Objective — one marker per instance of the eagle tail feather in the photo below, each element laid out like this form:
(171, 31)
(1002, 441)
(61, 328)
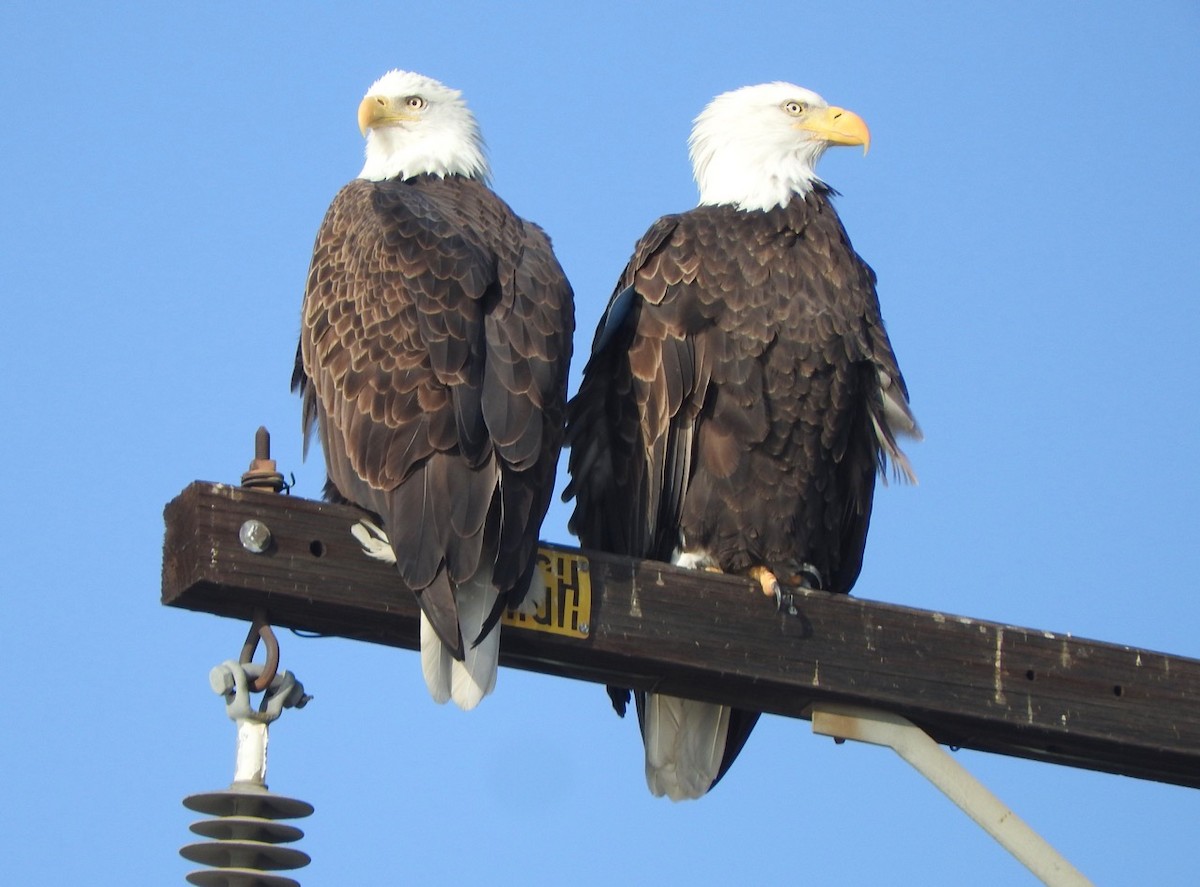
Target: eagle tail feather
(436, 660)
(685, 743)
(475, 676)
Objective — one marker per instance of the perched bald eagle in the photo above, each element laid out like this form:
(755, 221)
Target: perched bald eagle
(741, 392)
(435, 339)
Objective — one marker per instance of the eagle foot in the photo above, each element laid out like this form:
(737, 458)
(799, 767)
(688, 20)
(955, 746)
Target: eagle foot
(806, 577)
(374, 541)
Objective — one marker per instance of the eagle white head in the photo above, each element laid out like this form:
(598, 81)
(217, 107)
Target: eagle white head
(755, 147)
(415, 125)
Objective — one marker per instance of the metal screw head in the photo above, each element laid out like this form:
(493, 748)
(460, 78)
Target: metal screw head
(255, 536)
(584, 628)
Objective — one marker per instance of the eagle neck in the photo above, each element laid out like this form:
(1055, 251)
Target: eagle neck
(795, 213)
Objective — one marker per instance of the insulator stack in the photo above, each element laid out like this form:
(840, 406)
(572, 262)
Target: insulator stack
(247, 835)
(248, 838)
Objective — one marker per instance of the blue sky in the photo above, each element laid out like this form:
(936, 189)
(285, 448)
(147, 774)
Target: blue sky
(1031, 204)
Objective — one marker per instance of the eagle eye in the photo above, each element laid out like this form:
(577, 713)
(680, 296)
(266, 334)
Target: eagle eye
(415, 102)
(794, 108)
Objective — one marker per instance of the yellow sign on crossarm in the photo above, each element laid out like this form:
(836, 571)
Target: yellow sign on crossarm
(564, 604)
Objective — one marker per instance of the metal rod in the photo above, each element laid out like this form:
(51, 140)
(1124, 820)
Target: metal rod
(916, 747)
(262, 473)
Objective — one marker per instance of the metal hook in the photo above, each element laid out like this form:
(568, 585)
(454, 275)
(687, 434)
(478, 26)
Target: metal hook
(260, 628)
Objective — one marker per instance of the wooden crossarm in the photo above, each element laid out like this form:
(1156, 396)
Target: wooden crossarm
(968, 683)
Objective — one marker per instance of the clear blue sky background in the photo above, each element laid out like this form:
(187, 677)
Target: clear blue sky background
(1030, 203)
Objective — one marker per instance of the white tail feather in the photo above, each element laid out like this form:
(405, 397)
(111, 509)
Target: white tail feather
(475, 676)
(465, 682)
(685, 741)
(435, 662)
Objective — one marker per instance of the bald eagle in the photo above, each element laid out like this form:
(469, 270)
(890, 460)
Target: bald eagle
(741, 393)
(435, 338)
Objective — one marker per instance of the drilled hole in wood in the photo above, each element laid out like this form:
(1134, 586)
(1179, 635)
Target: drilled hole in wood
(1118, 690)
(1030, 674)
(317, 547)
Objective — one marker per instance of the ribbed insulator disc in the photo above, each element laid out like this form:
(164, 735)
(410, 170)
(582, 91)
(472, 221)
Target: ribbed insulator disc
(245, 854)
(239, 878)
(248, 802)
(249, 828)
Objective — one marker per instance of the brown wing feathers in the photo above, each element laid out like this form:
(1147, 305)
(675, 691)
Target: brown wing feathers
(436, 333)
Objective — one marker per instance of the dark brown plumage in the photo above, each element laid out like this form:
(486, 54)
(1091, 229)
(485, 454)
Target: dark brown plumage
(740, 397)
(748, 361)
(435, 339)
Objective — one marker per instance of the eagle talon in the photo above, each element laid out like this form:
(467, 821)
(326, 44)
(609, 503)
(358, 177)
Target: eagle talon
(786, 600)
(810, 577)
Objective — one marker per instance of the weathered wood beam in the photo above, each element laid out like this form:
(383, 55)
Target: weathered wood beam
(968, 683)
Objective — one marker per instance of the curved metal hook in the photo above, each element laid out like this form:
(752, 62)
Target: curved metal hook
(259, 628)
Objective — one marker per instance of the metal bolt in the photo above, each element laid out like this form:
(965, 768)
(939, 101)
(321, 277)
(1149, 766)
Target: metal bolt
(584, 628)
(255, 536)
(262, 474)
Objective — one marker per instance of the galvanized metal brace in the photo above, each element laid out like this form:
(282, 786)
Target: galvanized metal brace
(931, 761)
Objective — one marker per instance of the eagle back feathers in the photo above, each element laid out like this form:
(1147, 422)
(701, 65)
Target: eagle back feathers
(436, 334)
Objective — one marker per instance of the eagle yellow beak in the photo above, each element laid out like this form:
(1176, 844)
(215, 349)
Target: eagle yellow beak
(837, 126)
(378, 110)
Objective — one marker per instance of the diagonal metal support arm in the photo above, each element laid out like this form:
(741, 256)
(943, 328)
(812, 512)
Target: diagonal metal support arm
(931, 761)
